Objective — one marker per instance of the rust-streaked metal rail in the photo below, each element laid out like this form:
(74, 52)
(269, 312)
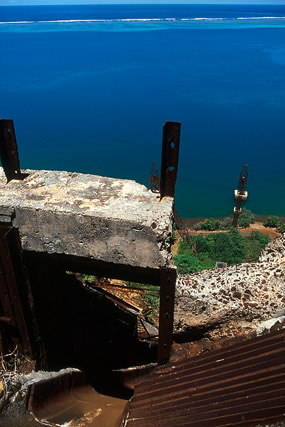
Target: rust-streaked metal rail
(243, 385)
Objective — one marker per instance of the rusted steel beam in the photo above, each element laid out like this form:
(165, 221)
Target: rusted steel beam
(166, 313)
(9, 151)
(12, 296)
(169, 158)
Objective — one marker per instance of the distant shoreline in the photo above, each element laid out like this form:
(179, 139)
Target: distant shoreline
(258, 218)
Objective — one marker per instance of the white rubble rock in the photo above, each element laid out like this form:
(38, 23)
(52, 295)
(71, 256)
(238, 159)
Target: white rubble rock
(233, 298)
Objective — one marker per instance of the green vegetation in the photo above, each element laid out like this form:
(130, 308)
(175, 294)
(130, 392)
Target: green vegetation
(246, 218)
(150, 297)
(211, 224)
(189, 261)
(254, 244)
(152, 300)
(272, 221)
(281, 228)
(227, 223)
(202, 253)
(88, 278)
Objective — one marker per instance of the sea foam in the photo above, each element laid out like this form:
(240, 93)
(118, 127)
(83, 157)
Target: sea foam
(167, 20)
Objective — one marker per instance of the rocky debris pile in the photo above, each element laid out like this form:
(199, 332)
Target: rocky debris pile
(274, 250)
(242, 299)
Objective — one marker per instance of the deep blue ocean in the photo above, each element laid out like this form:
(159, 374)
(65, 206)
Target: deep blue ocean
(90, 87)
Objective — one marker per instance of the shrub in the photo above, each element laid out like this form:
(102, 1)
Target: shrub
(228, 247)
(210, 224)
(246, 218)
(227, 223)
(202, 253)
(205, 262)
(202, 244)
(254, 243)
(224, 247)
(272, 221)
(281, 228)
(198, 225)
(185, 261)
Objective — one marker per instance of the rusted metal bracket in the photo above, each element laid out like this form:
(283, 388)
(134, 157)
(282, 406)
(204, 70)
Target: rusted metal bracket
(166, 313)
(169, 158)
(9, 151)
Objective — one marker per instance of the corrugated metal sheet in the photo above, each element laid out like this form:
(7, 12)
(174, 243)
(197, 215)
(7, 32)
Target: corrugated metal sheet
(242, 385)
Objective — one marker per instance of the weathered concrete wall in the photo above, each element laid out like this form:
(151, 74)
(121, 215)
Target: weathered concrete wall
(112, 220)
(239, 299)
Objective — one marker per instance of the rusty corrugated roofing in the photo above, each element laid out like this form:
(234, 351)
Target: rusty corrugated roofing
(242, 385)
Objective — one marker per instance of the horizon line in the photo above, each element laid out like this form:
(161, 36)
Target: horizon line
(147, 4)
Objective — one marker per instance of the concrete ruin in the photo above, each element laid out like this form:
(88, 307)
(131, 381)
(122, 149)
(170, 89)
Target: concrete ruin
(110, 220)
(89, 224)
(54, 222)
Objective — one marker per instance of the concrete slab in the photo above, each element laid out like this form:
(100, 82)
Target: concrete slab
(111, 220)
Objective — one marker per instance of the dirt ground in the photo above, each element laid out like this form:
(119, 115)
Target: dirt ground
(258, 226)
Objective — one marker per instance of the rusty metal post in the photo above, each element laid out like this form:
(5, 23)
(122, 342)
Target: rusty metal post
(166, 313)
(13, 298)
(9, 151)
(169, 158)
(241, 195)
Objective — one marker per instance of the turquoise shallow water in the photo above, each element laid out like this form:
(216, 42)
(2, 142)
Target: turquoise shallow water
(93, 96)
